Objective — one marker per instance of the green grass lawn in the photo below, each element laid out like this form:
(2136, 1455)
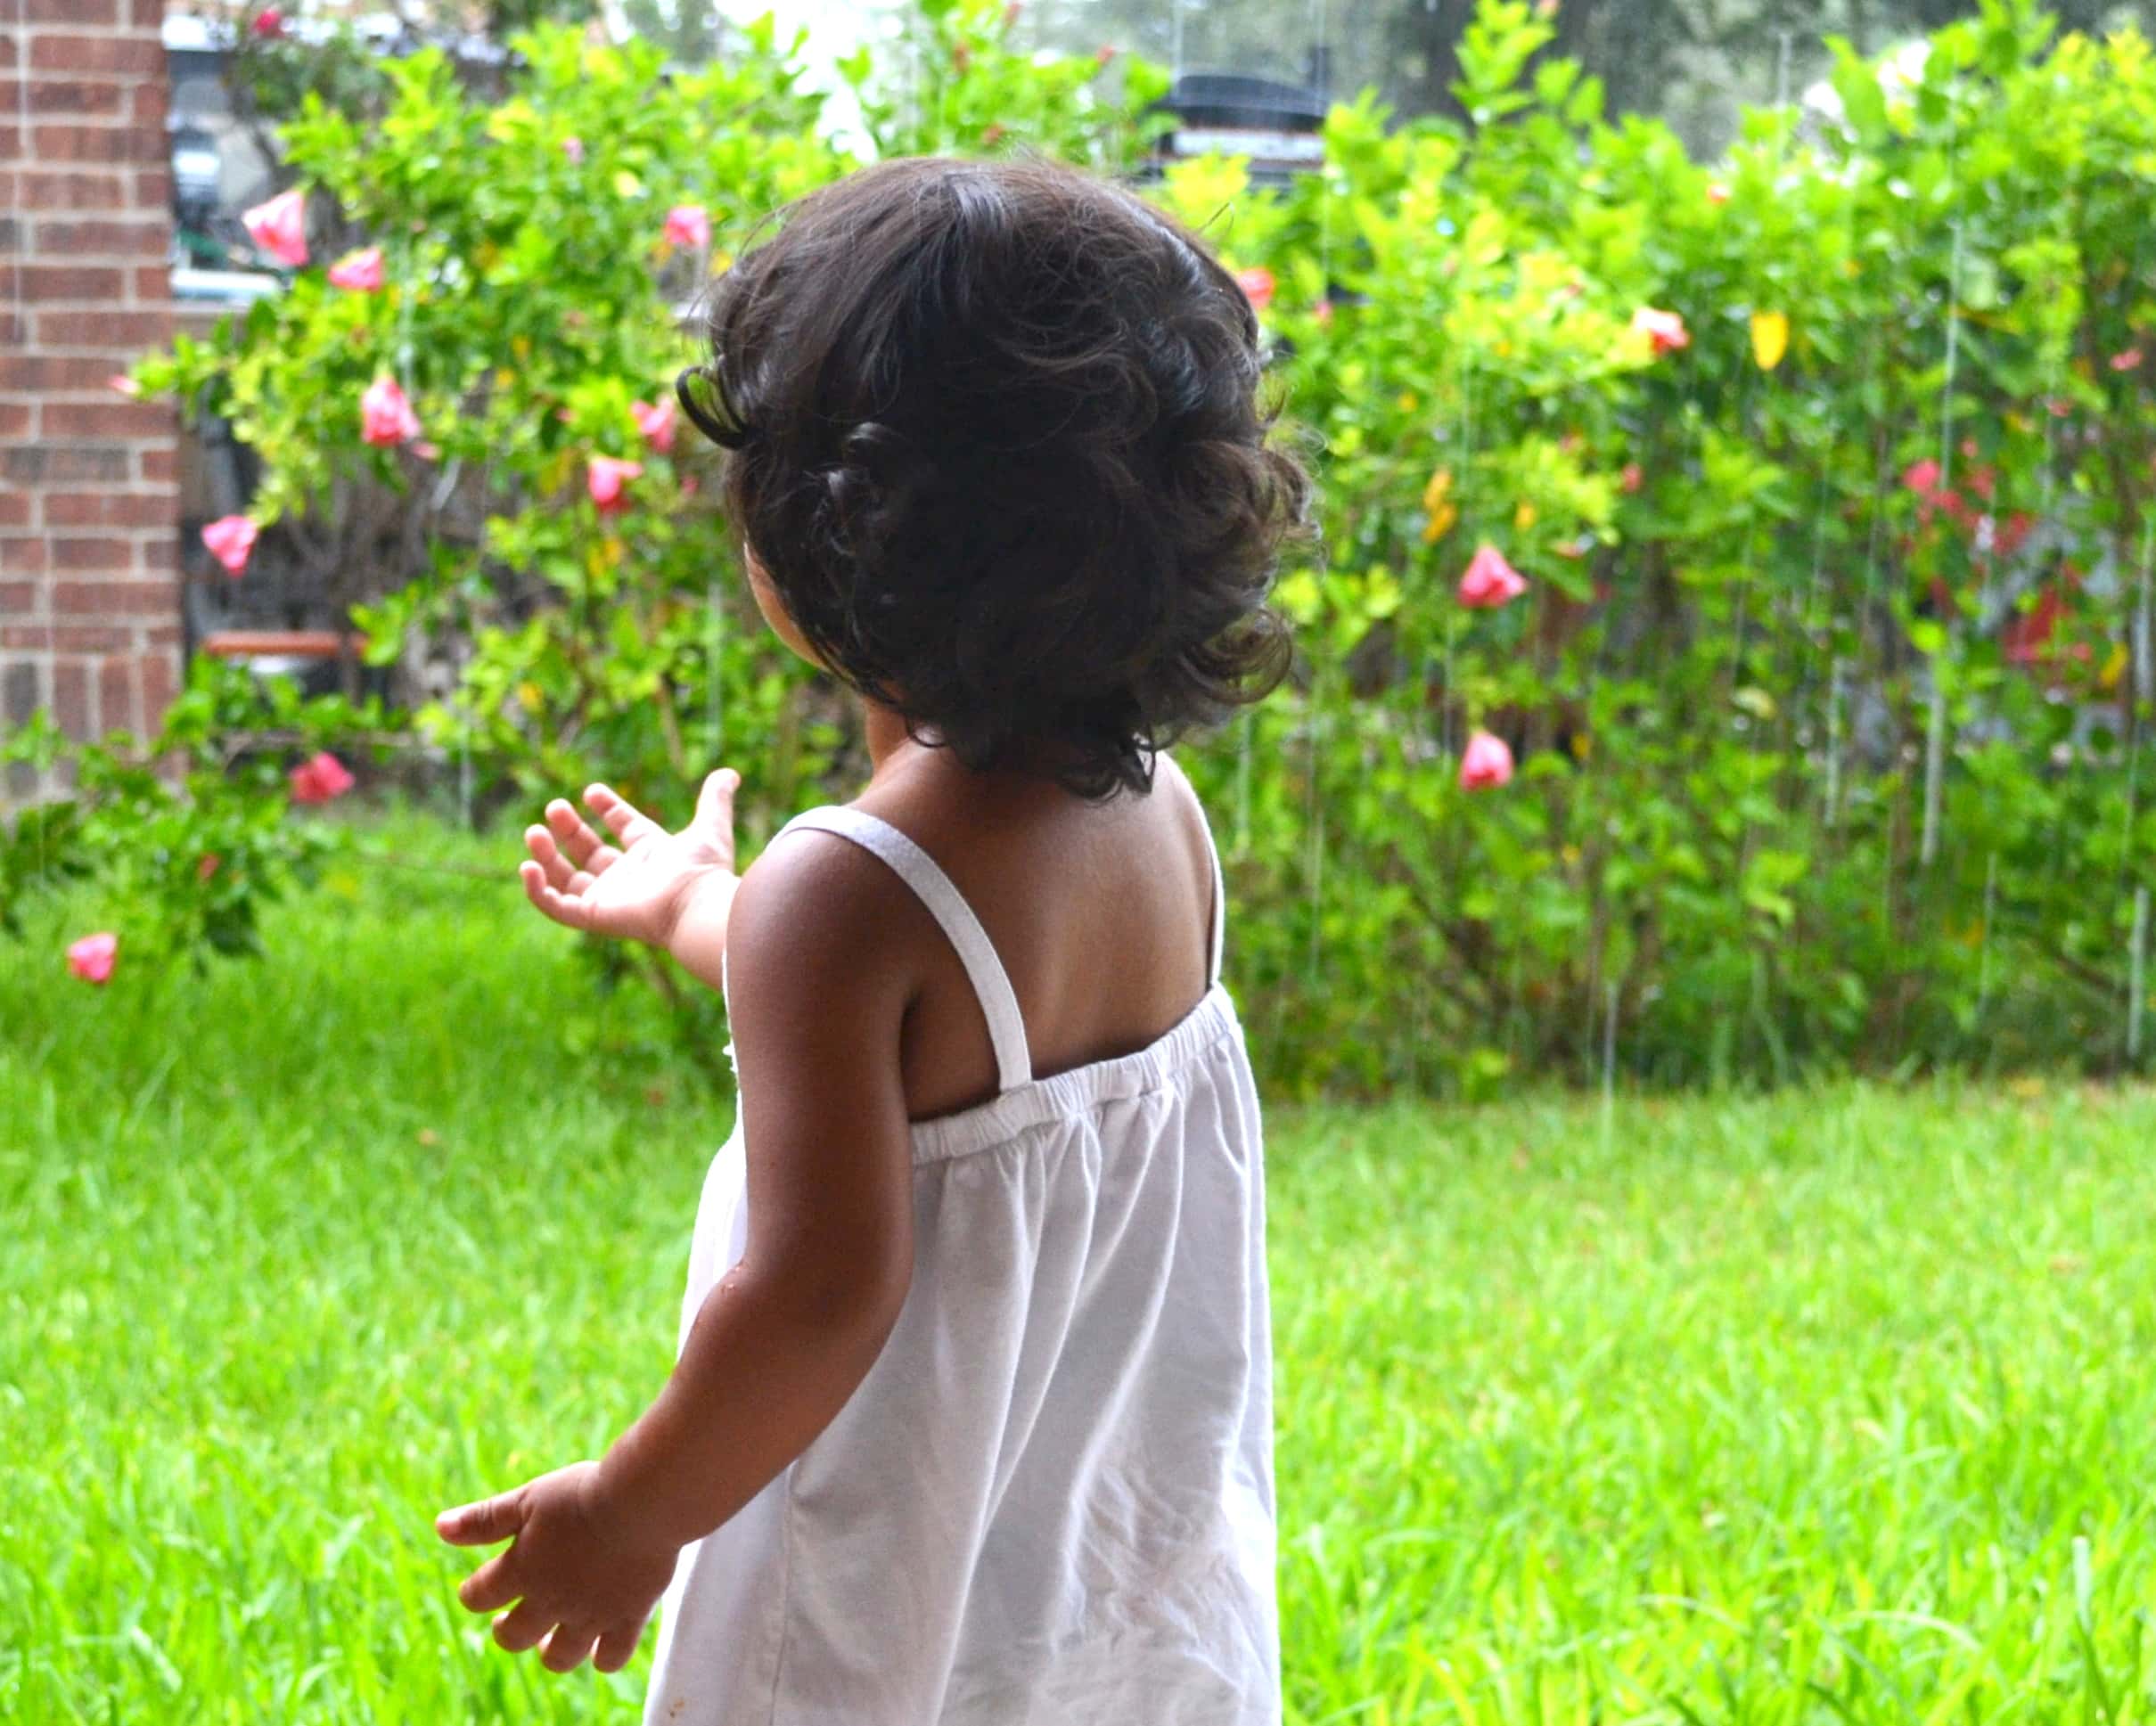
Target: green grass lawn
(1836, 1406)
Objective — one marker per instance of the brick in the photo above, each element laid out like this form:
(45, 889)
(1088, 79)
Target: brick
(71, 189)
(19, 692)
(111, 330)
(11, 143)
(50, 375)
(106, 238)
(71, 96)
(105, 510)
(23, 555)
(15, 509)
(149, 106)
(153, 284)
(66, 638)
(79, 12)
(115, 680)
(136, 56)
(8, 51)
(163, 634)
(94, 143)
(160, 684)
(72, 696)
(104, 556)
(14, 419)
(153, 189)
(158, 554)
(61, 467)
(112, 599)
(159, 465)
(60, 282)
(18, 599)
(117, 418)
(146, 15)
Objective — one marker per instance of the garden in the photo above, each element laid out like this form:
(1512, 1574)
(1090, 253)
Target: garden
(1691, 898)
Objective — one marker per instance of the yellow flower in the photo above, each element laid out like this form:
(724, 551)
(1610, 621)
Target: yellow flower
(1440, 523)
(1436, 491)
(1769, 338)
(1408, 401)
(528, 693)
(1524, 517)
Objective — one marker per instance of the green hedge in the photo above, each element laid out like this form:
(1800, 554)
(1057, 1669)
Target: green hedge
(1827, 469)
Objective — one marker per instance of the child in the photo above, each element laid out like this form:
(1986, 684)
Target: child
(971, 1416)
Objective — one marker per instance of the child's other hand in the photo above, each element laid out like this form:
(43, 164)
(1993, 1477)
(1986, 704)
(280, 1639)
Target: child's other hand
(585, 1585)
(640, 886)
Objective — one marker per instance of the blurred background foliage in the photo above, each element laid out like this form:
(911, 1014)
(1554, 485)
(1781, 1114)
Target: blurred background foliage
(1825, 460)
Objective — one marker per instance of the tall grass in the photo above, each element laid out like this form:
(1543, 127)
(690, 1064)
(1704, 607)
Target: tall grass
(1833, 1406)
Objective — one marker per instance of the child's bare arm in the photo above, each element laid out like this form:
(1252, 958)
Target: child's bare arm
(823, 976)
(820, 989)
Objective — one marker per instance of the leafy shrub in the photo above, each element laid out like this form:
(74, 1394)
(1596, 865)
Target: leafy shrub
(1826, 468)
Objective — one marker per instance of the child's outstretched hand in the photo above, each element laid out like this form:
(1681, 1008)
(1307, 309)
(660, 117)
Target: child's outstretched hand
(649, 884)
(584, 1585)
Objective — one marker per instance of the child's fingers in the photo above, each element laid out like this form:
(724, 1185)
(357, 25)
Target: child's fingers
(585, 848)
(715, 802)
(491, 1587)
(482, 1524)
(560, 874)
(623, 818)
(550, 901)
(521, 1627)
(566, 1649)
(617, 1647)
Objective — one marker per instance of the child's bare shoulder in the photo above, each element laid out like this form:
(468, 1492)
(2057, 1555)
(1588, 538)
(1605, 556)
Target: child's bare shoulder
(815, 899)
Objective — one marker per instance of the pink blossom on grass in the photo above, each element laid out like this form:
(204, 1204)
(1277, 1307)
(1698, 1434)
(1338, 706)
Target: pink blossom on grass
(607, 479)
(1257, 285)
(268, 23)
(322, 779)
(385, 415)
(1490, 581)
(280, 227)
(573, 148)
(1486, 762)
(359, 272)
(93, 957)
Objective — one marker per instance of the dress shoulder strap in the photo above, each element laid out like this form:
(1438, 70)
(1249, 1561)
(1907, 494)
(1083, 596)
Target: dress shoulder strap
(945, 902)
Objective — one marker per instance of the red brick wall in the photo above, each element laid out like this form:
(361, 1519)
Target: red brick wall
(89, 603)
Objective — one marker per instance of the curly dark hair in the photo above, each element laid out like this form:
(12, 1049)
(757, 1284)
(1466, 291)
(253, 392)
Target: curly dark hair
(994, 435)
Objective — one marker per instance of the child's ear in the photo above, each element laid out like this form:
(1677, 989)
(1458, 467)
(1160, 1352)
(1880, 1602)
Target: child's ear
(773, 605)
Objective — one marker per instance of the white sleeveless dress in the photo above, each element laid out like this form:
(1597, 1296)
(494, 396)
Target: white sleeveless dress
(1050, 1502)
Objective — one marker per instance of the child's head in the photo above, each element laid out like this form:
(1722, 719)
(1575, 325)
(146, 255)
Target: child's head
(996, 444)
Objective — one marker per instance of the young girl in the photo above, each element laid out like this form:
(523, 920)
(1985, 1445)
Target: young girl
(972, 1420)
